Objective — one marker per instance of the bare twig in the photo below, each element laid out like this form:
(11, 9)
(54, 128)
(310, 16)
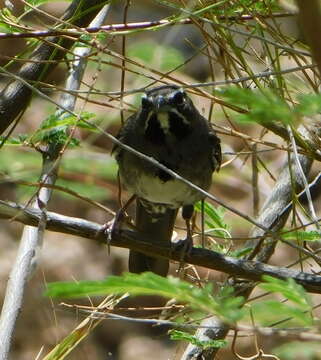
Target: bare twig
(115, 28)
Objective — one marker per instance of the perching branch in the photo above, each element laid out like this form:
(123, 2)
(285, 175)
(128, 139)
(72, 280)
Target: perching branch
(131, 239)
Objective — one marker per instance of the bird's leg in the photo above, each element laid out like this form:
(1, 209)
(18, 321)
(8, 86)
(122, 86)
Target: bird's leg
(185, 246)
(203, 222)
(187, 213)
(114, 225)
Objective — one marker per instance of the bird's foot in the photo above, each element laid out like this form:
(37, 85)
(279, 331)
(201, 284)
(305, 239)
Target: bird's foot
(184, 246)
(113, 227)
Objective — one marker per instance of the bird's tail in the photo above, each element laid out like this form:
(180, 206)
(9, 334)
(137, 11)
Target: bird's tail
(158, 229)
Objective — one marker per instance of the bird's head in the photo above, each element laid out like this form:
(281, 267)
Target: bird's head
(165, 98)
(168, 111)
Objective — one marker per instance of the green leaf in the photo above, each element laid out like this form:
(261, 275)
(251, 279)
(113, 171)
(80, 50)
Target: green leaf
(289, 289)
(5, 28)
(309, 104)
(54, 128)
(270, 311)
(15, 140)
(214, 219)
(266, 106)
(204, 344)
(6, 16)
(148, 283)
(297, 308)
(301, 235)
(263, 107)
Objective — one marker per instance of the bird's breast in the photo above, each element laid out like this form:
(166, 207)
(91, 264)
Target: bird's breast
(173, 192)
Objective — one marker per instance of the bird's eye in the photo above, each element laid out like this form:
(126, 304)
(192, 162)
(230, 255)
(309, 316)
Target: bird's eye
(178, 97)
(146, 102)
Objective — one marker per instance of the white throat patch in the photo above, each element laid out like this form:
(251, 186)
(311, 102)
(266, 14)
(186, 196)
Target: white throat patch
(163, 119)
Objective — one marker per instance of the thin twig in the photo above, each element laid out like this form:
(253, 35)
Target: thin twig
(114, 28)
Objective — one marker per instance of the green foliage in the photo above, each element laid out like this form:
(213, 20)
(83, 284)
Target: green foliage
(8, 21)
(147, 51)
(214, 219)
(265, 106)
(299, 350)
(204, 344)
(85, 41)
(224, 304)
(309, 104)
(289, 289)
(300, 235)
(297, 307)
(246, 6)
(228, 8)
(88, 169)
(54, 128)
(15, 140)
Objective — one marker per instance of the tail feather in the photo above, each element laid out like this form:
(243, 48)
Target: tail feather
(158, 229)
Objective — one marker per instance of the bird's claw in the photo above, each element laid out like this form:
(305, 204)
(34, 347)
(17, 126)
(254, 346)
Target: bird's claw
(184, 246)
(112, 227)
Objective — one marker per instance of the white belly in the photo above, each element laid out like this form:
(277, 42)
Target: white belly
(172, 192)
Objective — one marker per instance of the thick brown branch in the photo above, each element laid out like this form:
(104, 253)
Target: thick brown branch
(126, 238)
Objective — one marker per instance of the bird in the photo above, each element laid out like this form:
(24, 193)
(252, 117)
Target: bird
(170, 129)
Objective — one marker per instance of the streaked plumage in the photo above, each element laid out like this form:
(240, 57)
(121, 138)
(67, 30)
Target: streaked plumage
(168, 128)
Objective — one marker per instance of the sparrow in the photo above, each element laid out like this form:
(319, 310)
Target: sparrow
(168, 128)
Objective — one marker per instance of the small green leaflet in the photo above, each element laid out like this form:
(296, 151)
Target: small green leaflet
(225, 304)
(267, 106)
(297, 308)
(301, 235)
(214, 219)
(204, 344)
